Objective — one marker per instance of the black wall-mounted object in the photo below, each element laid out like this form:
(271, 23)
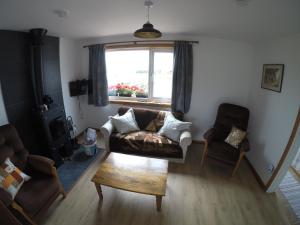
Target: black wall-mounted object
(78, 87)
(30, 78)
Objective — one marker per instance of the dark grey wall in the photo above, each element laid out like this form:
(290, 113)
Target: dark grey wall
(16, 83)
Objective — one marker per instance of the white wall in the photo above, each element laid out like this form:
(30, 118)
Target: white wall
(70, 67)
(222, 72)
(3, 117)
(273, 114)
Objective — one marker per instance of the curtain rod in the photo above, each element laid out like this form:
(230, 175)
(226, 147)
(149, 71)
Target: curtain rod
(136, 42)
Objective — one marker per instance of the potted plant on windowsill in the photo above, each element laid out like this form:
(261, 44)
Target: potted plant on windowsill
(124, 90)
(138, 92)
(141, 94)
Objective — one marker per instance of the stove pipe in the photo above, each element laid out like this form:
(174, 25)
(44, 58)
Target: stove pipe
(36, 48)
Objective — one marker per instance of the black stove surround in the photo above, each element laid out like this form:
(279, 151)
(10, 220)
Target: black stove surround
(32, 93)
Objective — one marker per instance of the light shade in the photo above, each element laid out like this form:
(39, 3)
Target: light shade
(147, 31)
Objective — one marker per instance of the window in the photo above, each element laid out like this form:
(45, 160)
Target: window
(143, 74)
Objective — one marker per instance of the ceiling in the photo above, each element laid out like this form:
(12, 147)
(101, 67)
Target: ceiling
(257, 20)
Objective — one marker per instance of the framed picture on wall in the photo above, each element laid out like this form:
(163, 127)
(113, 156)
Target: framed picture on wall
(272, 77)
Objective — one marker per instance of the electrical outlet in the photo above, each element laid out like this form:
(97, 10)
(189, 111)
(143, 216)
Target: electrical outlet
(270, 168)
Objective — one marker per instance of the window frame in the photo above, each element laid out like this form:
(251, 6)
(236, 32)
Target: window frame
(150, 98)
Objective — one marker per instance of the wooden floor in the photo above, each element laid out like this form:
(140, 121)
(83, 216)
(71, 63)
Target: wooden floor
(194, 195)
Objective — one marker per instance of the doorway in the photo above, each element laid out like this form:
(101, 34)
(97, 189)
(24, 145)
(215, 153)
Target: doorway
(296, 164)
(289, 190)
(287, 158)
(284, 181)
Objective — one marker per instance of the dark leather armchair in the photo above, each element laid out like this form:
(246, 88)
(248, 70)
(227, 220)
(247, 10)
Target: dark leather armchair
(214, 146)
(35, 195)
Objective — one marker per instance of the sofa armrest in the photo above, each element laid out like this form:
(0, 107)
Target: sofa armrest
(244, 146)
(107, 128)
(5, 197)
(7, 217)
(41, 164)
(185, 139)
(209, 135)
(106, 131)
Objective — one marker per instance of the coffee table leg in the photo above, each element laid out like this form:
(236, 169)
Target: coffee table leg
(99, 190)
(158, 202)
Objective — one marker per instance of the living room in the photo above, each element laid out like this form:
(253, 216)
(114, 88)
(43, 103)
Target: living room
(233, 46)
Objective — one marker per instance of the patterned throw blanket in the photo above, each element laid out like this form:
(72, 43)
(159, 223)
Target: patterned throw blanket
(145, 143)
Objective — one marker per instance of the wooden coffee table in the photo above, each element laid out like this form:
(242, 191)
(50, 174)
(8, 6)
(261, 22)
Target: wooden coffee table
(133, 173)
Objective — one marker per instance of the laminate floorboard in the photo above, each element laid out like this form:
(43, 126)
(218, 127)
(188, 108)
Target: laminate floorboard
(195, 195)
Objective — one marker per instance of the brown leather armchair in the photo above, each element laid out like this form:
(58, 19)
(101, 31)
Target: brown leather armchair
(35, 195)
(214, 146)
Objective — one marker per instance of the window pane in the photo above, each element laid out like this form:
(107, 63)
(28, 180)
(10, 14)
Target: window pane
(163, 73)
(127, 73)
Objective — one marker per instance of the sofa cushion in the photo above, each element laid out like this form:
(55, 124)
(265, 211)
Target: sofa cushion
(11, 178)
(35, 193)
(12, 147)
(235, 137)
(157, 123)
(223, 151)
(172, 128)
(230, 115)
(125, 123)
(145, 143)
(144, 116)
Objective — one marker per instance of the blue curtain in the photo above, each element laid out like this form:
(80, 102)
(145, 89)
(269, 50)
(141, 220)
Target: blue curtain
(98, 94)
(182, 76)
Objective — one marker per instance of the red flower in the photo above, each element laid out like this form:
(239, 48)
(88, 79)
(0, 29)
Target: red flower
(118, 86)
(134, 88)
(140, 90)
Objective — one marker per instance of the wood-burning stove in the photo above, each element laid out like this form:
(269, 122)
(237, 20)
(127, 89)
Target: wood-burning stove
(49, 114)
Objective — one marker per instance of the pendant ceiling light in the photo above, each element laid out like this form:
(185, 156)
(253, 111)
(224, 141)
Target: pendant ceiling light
(148, 30)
